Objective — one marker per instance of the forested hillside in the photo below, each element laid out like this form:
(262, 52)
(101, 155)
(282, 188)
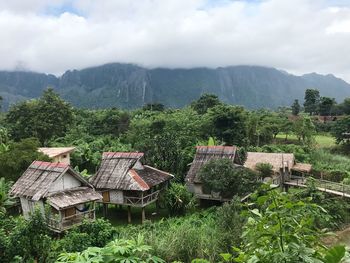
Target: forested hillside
(272, 225)
(129, 86)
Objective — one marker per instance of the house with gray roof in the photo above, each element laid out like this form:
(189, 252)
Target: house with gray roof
(122, 179)
(68, 196)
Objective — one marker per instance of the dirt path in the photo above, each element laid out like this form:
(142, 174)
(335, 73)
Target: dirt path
(340, 237)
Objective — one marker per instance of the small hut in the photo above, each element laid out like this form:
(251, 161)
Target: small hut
(69, 197)
(203, 155)
(123, 180)
(280, 162)
(58, 154)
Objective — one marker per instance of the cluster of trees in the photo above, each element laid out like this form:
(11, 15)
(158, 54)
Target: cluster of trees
(264, 231)
(314, 104)
(167, 136)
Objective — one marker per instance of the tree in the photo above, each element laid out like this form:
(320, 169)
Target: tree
(205, 102)
(18, 157)
(45, 118)
(227, 123)
(341, 129)
(312, 99)
(223, 176)
(345, 106)
(326, 106)
(1, 100)
(154, 107)
(296, 108)
(304, 129)
(5, 199)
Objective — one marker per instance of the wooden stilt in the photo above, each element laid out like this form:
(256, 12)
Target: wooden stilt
(105, 209)
(129, 214)
(143, 215)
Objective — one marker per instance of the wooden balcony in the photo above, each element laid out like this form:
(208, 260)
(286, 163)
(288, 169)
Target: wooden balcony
(141, 201)
(59, 225)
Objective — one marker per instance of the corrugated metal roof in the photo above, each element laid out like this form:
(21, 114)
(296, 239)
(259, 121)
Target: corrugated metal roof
(55, 151)
(72, 197)
(206, 153)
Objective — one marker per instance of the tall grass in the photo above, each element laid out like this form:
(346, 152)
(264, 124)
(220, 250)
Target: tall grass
(328, 163)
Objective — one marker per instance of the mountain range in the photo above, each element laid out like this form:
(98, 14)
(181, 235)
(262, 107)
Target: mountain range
(130, 86)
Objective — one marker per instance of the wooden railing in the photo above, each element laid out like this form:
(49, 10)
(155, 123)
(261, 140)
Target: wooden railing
(141, 201)
(70, 221)
(322, 185)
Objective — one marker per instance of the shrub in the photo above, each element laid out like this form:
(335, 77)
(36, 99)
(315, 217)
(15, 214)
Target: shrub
(264, 169)
(223, 176)
(30, 239)
(230, 224)
(117, 251)
(178, 199)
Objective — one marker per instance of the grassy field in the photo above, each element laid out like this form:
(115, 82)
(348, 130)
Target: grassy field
(322, 140)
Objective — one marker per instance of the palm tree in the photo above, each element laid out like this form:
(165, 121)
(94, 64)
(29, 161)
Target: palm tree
(5, 199)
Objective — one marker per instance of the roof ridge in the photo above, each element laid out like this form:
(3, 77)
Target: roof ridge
(153, 168)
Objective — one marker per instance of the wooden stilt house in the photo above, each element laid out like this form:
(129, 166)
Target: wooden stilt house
(123, 180)
(63, 196)
(203, 155)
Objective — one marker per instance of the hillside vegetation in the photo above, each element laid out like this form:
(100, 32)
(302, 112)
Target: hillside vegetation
(272, 226)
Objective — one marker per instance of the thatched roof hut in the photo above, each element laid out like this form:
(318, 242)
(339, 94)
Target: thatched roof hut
(40, 177)
(124, 171)
(59, 186)
(206, 153)
(277, 160)
(124, 180)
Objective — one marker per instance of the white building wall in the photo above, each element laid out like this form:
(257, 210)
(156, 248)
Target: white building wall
(198, 189)
(29, 206)
(138, 165)
(67, 181)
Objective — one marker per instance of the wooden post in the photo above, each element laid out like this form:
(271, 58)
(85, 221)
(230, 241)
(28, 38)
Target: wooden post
(143, 215)
(129, 214)
(105, 208)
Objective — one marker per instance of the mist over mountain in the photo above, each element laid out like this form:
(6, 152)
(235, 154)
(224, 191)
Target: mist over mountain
(130, 86)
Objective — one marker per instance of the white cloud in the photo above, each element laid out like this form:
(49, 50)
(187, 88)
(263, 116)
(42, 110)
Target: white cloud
(299, 36)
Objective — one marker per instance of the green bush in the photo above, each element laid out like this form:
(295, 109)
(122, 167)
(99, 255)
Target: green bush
(230, 224)
(223, 176)
(264, 169)
(178, 199)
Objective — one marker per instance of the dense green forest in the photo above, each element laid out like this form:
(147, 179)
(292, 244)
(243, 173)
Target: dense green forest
(272, 226)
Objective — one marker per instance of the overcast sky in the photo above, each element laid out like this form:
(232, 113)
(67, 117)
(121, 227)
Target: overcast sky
(299, 36)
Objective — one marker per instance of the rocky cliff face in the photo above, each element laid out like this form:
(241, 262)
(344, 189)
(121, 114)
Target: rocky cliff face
(129, 86)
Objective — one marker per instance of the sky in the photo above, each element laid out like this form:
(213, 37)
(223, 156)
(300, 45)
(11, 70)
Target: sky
(299, 36)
